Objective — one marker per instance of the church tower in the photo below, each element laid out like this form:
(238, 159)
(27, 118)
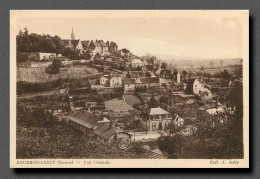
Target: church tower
(72, 35)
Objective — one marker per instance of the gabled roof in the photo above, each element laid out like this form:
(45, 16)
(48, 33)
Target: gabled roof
(75, 43)
(157, 111)
(85, 44)
(102, 128)
(128, 81)
(191, 81)
(177, 116)
(97, 44)
(148, 154)
(150, 80)
(84, 118)
(102, 43)
(108, 133)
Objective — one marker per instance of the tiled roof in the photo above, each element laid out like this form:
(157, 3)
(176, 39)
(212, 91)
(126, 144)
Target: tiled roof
(84, 118)
(147, 154)
(150, 80)
(128, 81)
(191, 80)
(158, 111)
(102, 128)
(108, 133)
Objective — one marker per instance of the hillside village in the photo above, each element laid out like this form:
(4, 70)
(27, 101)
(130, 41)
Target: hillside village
(111, 97)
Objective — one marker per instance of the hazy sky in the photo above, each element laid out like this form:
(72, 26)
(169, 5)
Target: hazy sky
(213, 37)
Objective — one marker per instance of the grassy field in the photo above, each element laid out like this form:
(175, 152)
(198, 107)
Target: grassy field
(131, 99)
(39, 75)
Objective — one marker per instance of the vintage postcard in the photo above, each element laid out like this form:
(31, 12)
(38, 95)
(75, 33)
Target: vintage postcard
(129, 89)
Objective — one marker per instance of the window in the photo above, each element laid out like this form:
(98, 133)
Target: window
(154, 126)
(166, 124)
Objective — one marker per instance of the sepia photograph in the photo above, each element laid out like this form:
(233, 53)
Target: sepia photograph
(129, 88)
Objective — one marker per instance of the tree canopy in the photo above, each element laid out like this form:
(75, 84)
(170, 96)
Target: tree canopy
(39, 43)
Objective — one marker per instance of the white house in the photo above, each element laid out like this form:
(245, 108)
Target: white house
(196, 87)
(115, 81)
(104, 80)
(111, 80)
(77, 45)
(158, 119)
(45, 56)
(137, 63)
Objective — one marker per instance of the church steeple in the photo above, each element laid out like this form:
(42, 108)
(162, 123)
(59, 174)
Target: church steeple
(72, 35)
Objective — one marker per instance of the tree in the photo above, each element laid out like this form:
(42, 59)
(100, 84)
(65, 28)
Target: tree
(184, 73)
(26, 31)
(225, 75)
(171, 129)
(164, 65)
(54, 68)
(153, 102)
(38, 43)
(172, 145)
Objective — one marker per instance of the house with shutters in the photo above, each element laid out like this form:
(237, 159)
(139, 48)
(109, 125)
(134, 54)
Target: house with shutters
(156, 119)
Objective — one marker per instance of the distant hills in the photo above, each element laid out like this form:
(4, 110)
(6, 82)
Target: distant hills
(197, 62)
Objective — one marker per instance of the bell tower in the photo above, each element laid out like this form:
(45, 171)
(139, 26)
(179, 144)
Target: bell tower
(72, 35)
